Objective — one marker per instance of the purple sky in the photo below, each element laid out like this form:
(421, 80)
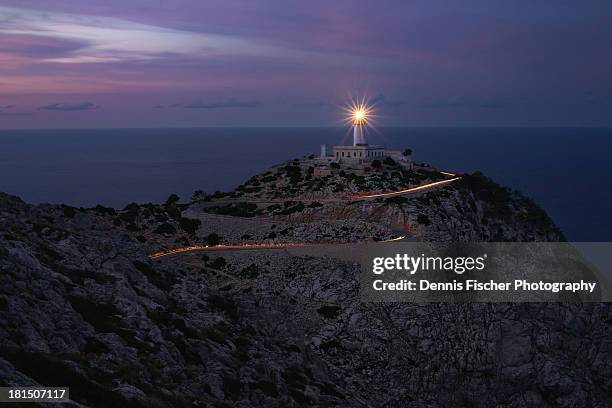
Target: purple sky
(143, 63)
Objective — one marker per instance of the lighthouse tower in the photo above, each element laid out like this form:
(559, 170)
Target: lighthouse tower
(360, 152)
(358, 128)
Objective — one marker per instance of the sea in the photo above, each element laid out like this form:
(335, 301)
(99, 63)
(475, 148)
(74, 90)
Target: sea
(565, 170)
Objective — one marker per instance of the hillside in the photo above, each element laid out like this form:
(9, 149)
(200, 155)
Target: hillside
(82, 305)
(311, 177)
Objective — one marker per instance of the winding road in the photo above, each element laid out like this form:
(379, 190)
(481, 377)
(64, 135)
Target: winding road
(284, 245)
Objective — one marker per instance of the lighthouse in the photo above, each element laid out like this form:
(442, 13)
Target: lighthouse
(358, 127)
(360, 152)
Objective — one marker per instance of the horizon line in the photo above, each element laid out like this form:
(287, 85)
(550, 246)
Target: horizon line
(318, 127)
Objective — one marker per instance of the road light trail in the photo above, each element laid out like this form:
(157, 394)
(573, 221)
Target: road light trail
(408, 190)
(242, 247)
(271, 245)
(395, 239)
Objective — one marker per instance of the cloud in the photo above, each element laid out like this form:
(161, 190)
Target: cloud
(314, 105)
(80, 38)
(462, 101)
(381, 100)
(6, 110)
(38, 46)
(457, 101)
(229, 103)
(81, 106)
(16, 113)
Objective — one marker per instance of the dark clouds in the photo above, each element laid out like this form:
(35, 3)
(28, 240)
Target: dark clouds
(314, 105)
(7, 110)
(3, 113)
(67, 107)
(34, 46)
(229, 103)
(462, 101)
(382, 101)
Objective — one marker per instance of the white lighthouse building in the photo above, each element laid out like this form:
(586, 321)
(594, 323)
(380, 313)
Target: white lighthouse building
(360, 154)
(358, 129)
(360, 150)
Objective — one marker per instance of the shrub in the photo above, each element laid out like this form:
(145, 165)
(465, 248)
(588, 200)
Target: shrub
(376, 164)
(423, 219)
(80, 275)
(213, 239)
(236, 210)
(218, 263)
(294, 173)
(165, 228)
(172, 199)
(189, 225)
(399, 200)
(173, 212)
(389, 161)
(102, 316)
(152, 275)
(223, 304)
(132, 207)
(250, 272)
(199, 195)
(128, 217)
(100, 209)
(69, 212)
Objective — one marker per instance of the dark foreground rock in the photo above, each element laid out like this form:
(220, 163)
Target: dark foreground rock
(82, 306)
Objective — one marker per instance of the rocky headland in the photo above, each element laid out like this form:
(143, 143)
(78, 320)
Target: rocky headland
(83, 305)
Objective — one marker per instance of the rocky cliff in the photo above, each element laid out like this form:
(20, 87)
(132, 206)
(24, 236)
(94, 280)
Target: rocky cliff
(81, 305)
